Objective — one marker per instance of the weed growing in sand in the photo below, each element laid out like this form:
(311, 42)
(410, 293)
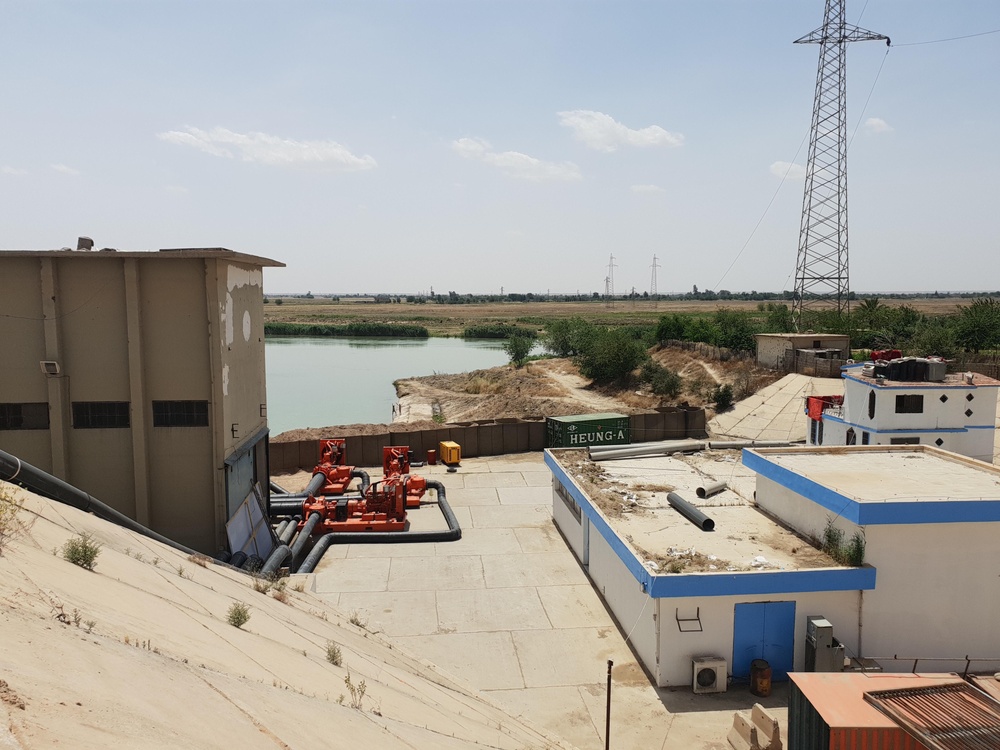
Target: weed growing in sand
(182, 572)
(278, 590)
(82, 550)
(333, 654)
(356, 619)
(200, 560)
(238, 614)
(357, 691)
(90, 625)
(10, 524)
(300, 586)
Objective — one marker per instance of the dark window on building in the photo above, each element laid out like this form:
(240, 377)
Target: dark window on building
(911, 403)
(817, 344)
(180, 414)
(871, 405)
(96, 415)
(24, 416)
(865, 438)
(904, 441)
(852, 437)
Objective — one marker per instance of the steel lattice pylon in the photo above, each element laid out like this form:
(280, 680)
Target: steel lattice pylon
(821, 271)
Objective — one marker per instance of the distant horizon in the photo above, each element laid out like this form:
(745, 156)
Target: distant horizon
(540, 296)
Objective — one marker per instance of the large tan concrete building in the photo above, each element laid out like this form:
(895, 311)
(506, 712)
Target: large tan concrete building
(139, 378)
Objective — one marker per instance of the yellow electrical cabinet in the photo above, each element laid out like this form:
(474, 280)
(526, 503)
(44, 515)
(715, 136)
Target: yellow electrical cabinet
(449, 453)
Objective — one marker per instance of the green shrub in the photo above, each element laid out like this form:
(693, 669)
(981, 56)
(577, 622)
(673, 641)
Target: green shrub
(611, 355)
(360, 330)
(498, 331)
(854, 553)
(518, 348)
(238, 614)
(723, 397)
(568, 338)
(832, 543)
(82, 550)
(663, 382)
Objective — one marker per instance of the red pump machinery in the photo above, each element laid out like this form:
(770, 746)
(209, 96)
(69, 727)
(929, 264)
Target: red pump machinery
(381, 508)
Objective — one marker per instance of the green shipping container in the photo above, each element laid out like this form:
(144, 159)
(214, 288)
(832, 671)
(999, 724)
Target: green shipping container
(582, 430)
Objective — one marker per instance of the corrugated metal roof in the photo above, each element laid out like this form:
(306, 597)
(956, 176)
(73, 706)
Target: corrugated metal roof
(839, 696)
(943, 717)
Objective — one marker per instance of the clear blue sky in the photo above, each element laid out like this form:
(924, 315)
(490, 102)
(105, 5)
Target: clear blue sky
(469, 146)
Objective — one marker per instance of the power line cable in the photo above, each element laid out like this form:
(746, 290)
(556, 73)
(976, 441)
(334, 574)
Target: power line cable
(872, 91)
(948, 39)
(766, 209)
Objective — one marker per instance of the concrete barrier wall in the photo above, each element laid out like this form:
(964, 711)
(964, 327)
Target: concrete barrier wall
(480, 439)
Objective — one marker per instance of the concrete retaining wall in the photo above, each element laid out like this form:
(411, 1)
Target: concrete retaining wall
(488, 438)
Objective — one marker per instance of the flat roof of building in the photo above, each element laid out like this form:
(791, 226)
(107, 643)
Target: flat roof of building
(882, 484)
(181, 252)
(632, 495)
(814, 336)
(951, 380)
(839, 697)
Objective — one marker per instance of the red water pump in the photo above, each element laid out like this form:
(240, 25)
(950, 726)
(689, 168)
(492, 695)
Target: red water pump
(331, 464)
(382, 507)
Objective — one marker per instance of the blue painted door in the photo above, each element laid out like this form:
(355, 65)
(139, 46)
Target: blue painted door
(764, 630)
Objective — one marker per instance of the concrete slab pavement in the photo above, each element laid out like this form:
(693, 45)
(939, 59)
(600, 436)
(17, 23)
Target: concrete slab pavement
(774, 412)
(509, 610)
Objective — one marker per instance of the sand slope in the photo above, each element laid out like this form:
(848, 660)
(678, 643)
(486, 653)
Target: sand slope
(139, 653)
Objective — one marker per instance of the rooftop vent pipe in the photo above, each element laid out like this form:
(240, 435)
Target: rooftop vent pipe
(84, 243)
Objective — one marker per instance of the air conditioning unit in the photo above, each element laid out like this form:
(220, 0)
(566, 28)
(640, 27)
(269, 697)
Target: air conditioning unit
(708, 674)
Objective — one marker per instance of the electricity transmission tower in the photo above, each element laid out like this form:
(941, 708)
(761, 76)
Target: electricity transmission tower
(609, 281)
(821, 269)
(652, 283)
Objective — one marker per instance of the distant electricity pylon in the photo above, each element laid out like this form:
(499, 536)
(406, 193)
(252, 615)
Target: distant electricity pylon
(821, 269)
(652, 283)
(609, 281)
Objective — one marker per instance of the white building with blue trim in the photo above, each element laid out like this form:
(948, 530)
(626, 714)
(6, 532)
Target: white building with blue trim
(955, 413)
(929, 587)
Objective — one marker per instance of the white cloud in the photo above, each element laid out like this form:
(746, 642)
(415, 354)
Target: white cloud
(647, 189)
(261, 148)
(63, 169)
(514, 163)
(603, 133)
(788, 170)
(12, 171)
(877, 125)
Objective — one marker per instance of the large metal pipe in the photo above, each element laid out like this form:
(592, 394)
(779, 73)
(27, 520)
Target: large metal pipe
(303, 538)
(690, 512)
(285, 537)
(710, 488)
(453, 533)
(293, 506)
(275, 559)
(365, 479)
(16, 471)
(652, 449)
(735, 444)
(655, 445)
